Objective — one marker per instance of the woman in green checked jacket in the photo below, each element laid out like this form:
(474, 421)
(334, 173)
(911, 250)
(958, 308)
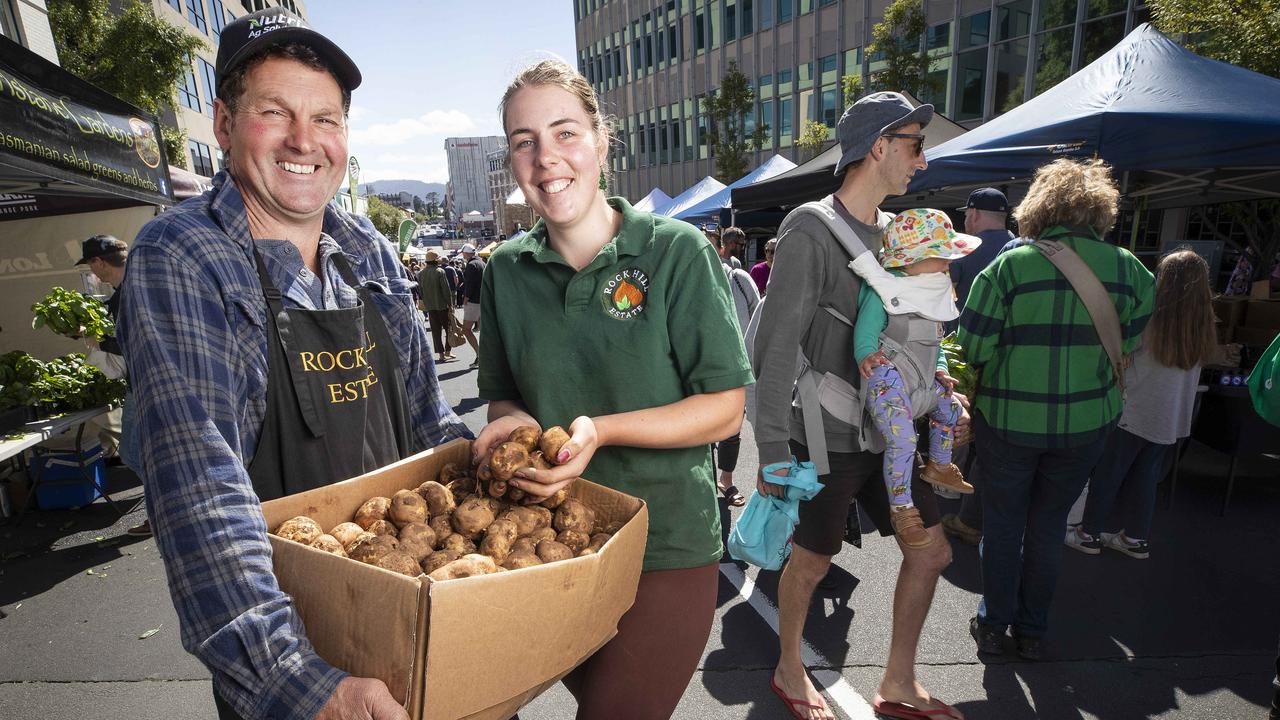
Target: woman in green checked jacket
(1048, 396)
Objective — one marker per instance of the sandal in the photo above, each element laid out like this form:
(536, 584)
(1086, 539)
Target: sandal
(903, 711)
(793, 703)
(733, 495)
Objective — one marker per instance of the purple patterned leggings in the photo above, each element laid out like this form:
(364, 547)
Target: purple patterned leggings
(890, 408)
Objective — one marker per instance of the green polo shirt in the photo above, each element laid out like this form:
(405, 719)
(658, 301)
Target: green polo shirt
(646, 323)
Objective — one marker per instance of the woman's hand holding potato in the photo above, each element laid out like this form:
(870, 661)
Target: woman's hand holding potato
(571, 461)
(504, 416)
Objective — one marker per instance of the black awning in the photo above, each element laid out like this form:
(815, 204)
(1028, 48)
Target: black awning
(60, 135)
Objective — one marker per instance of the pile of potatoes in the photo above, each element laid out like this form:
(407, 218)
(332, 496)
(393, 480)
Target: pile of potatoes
(468, 521)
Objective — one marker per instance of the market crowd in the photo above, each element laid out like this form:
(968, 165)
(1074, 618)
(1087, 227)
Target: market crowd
(1087, 366)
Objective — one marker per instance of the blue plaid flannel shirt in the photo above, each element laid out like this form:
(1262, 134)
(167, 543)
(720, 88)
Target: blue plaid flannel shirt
(195, 341)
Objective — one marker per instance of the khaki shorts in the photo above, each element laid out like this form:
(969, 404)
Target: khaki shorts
(471, 312)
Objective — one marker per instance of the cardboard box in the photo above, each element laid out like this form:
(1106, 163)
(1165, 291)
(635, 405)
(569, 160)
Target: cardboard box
(477, 648)
(1262, 314)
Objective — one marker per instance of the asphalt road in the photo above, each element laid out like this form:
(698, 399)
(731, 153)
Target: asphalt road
(1189, 633)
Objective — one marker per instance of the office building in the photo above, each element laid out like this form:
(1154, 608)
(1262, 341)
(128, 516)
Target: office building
(652, 61)
(27, 23)
(468, 187)
(501, 185)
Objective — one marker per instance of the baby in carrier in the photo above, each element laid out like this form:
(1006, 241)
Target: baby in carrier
(896, 347)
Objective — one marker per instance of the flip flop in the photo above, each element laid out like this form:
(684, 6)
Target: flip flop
(903, 711)
(734, 496)
(793, 703)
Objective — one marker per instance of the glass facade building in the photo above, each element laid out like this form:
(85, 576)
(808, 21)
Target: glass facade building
(652, 61)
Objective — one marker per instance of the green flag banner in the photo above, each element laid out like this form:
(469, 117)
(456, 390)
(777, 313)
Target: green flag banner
(406, 231)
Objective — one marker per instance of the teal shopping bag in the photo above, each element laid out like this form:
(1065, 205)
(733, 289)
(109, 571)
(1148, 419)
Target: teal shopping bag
(762, 536)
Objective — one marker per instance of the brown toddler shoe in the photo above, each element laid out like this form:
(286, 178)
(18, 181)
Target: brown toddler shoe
(948, 476)
(908, 526)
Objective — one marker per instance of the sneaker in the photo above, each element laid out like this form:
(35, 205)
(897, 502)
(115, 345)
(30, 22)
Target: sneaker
(988, 640)
(957, 528)
(909, 527)
(948, 476)
(1029, 648)
(1136, 549)
(1078, 539)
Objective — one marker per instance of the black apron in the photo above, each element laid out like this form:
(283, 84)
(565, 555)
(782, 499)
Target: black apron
(336, 404)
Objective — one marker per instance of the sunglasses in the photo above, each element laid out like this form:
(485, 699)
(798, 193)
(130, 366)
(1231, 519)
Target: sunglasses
(919, 138)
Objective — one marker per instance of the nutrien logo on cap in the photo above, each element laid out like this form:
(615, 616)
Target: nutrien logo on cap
(262, 26)
(625, 294)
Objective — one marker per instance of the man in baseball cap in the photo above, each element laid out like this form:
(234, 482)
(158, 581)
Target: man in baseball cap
(882, 146)
(985, 215)
(225, 292)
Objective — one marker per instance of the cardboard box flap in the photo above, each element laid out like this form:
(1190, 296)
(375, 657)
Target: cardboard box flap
(336, 610)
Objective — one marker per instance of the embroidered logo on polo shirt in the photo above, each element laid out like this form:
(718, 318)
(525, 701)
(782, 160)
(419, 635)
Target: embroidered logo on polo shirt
(625, 294)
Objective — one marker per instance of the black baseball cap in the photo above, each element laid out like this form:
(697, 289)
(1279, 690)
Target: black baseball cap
(100, 245)
(250, 34)
(987, 199)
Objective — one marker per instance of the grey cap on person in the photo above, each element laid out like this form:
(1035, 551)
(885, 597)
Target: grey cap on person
(871, 117)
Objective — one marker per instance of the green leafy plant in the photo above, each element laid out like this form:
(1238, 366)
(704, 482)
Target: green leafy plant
(813, 137)
(726, 110)
(899, 39)
(64, 384)
(74, 315)
(965, 374)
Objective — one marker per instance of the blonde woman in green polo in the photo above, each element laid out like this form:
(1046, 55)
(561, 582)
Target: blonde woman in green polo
(616, 324)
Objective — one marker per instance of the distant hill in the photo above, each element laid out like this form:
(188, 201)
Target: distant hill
(413, 187)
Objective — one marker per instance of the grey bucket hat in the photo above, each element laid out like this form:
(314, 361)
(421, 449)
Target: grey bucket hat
(871, 117)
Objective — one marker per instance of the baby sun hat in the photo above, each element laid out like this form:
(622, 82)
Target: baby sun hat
(923, 233)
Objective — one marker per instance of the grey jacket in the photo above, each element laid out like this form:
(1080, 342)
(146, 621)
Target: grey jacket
(810, 271)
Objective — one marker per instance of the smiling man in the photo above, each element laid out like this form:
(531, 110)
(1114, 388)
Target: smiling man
(228, 293)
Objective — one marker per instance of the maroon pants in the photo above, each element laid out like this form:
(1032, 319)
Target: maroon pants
(643, 671)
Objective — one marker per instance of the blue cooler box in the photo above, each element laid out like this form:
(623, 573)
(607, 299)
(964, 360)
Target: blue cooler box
(71, 488)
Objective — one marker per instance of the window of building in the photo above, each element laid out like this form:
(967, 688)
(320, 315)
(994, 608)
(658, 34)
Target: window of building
(1100, 36)
(784, 121)
(217, 16)
(748, 17)
(766, 14)
(784, 82)
(938, 37)
(853, 62)
(673, 42)
(201, 158)
(187, 93)
(730, 20)
(1011, 74)
(971, 85)
(935, 91)
(1013, 20)
(808, 109)
(830, 107)
(713, 12)
(1056, 13)
(1053, 57)
(828, 69)
(8, 22)
(208, 83)
(699, 32)
(766, 120)
(176, 5)
(975, 30)
(764, 86)
(1101, 8)
(804, 76)
(806, 6)
(824, 3)
(786, 8)
(195, 13)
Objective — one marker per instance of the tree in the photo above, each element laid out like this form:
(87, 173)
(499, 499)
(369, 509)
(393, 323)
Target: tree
(433, 204)
(385, 218)
(852, 87)
(1244, 33)
(419, 206)
(813, 137)
(726, 111)
(898, 39)
(133, 55)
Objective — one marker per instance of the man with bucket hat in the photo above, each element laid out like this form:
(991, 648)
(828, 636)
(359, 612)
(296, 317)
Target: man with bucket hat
(223, 291)
(811, 308)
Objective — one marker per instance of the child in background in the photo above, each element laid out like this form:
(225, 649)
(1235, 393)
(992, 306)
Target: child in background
(1160, 392)
(898, 355)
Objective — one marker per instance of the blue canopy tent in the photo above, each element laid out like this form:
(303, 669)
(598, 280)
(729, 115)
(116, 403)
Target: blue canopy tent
(704, 188)
(710, 207)
(1197, 130)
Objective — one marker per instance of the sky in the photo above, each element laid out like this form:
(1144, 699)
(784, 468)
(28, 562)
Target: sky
(434, 69)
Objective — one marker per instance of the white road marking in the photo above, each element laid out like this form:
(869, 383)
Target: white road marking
(841, 693)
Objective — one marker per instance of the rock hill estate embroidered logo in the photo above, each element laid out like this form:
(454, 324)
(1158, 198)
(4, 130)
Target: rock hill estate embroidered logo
(625, 294)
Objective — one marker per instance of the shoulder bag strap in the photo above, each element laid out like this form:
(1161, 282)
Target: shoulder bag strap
(1106, 321)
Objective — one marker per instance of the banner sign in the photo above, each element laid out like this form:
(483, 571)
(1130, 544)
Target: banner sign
(55, 125)
(406, 231)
